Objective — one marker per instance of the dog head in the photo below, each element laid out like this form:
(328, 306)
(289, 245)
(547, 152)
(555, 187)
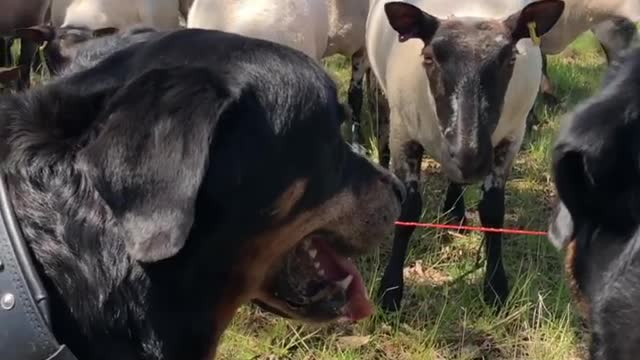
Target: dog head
(257, 188)
(215, 182)
(596, 164)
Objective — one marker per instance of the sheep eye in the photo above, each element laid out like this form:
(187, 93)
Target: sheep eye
(428, 59)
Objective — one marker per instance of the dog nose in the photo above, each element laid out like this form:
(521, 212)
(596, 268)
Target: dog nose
(398, 187)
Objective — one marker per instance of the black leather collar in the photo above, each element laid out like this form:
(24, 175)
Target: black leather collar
(25, 332)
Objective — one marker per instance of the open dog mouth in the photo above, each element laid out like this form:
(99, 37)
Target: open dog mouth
(318, 282)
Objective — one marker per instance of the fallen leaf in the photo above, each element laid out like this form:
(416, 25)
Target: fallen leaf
(353, 342)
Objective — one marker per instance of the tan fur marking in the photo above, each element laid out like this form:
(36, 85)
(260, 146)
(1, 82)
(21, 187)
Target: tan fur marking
(570, 262)
(289, 199)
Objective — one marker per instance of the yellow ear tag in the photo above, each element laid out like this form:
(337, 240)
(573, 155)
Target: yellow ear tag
(533, 34)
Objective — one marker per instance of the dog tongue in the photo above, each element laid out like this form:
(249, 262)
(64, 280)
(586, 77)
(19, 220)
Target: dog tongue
(338, 268)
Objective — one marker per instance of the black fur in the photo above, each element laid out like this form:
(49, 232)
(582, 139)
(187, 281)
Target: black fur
(596, 162)
(138, 181)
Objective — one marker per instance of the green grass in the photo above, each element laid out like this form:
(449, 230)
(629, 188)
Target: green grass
(443, 316)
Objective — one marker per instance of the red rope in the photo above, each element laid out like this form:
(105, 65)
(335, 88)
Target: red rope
(473, 228)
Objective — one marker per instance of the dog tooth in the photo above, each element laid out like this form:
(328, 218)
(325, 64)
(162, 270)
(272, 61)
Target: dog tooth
(344, 283)
(312, 252)
(321, 272)
(316, 265)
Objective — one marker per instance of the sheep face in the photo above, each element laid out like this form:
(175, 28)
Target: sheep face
(469, 63)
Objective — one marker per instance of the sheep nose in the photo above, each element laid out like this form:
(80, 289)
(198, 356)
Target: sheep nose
(472, 162)
(397, 186)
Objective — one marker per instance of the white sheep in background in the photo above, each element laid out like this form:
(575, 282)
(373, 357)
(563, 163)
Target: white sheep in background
(96, 14)
(616, 34)
(319, 28)
(582, 15)
(459, 85)
(73, 22)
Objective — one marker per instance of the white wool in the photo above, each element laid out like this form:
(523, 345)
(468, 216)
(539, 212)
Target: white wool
(580, 15)
(316, 27)
(94, 14)
(399, 71)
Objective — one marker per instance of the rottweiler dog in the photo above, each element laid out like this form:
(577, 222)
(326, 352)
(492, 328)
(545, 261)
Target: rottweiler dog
(182, 176)
(596, 165)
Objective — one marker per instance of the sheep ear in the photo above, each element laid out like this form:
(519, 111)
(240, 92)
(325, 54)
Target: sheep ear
(543, 13)
(561, 230)
(410, 22)
(104, 31)
(38, 34)
(150, 156)
(9, 74)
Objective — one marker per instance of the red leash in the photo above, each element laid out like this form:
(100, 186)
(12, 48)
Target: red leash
(473, 228)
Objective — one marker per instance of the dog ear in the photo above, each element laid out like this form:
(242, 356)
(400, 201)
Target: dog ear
(561, 230)
(150, 155)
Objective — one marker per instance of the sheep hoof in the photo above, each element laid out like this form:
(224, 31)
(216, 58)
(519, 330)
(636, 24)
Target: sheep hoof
(550, 100)
(390, 294)
(390, 301)
(496, 291)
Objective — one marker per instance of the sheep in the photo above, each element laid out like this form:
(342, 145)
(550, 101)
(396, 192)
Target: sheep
(582, 15)
(483, 72)
(18, 14)
(468, 113)
(615, 35)
(75, 21)
(595, 162)
(319, 28)
(95, 14)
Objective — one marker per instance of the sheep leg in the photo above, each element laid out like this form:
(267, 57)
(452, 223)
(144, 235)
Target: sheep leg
(454, 208)
(546, 86)
(379, 113)
(27, 52)
(406, 165)
(359, 66)
(491, 209)
(3, 52)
